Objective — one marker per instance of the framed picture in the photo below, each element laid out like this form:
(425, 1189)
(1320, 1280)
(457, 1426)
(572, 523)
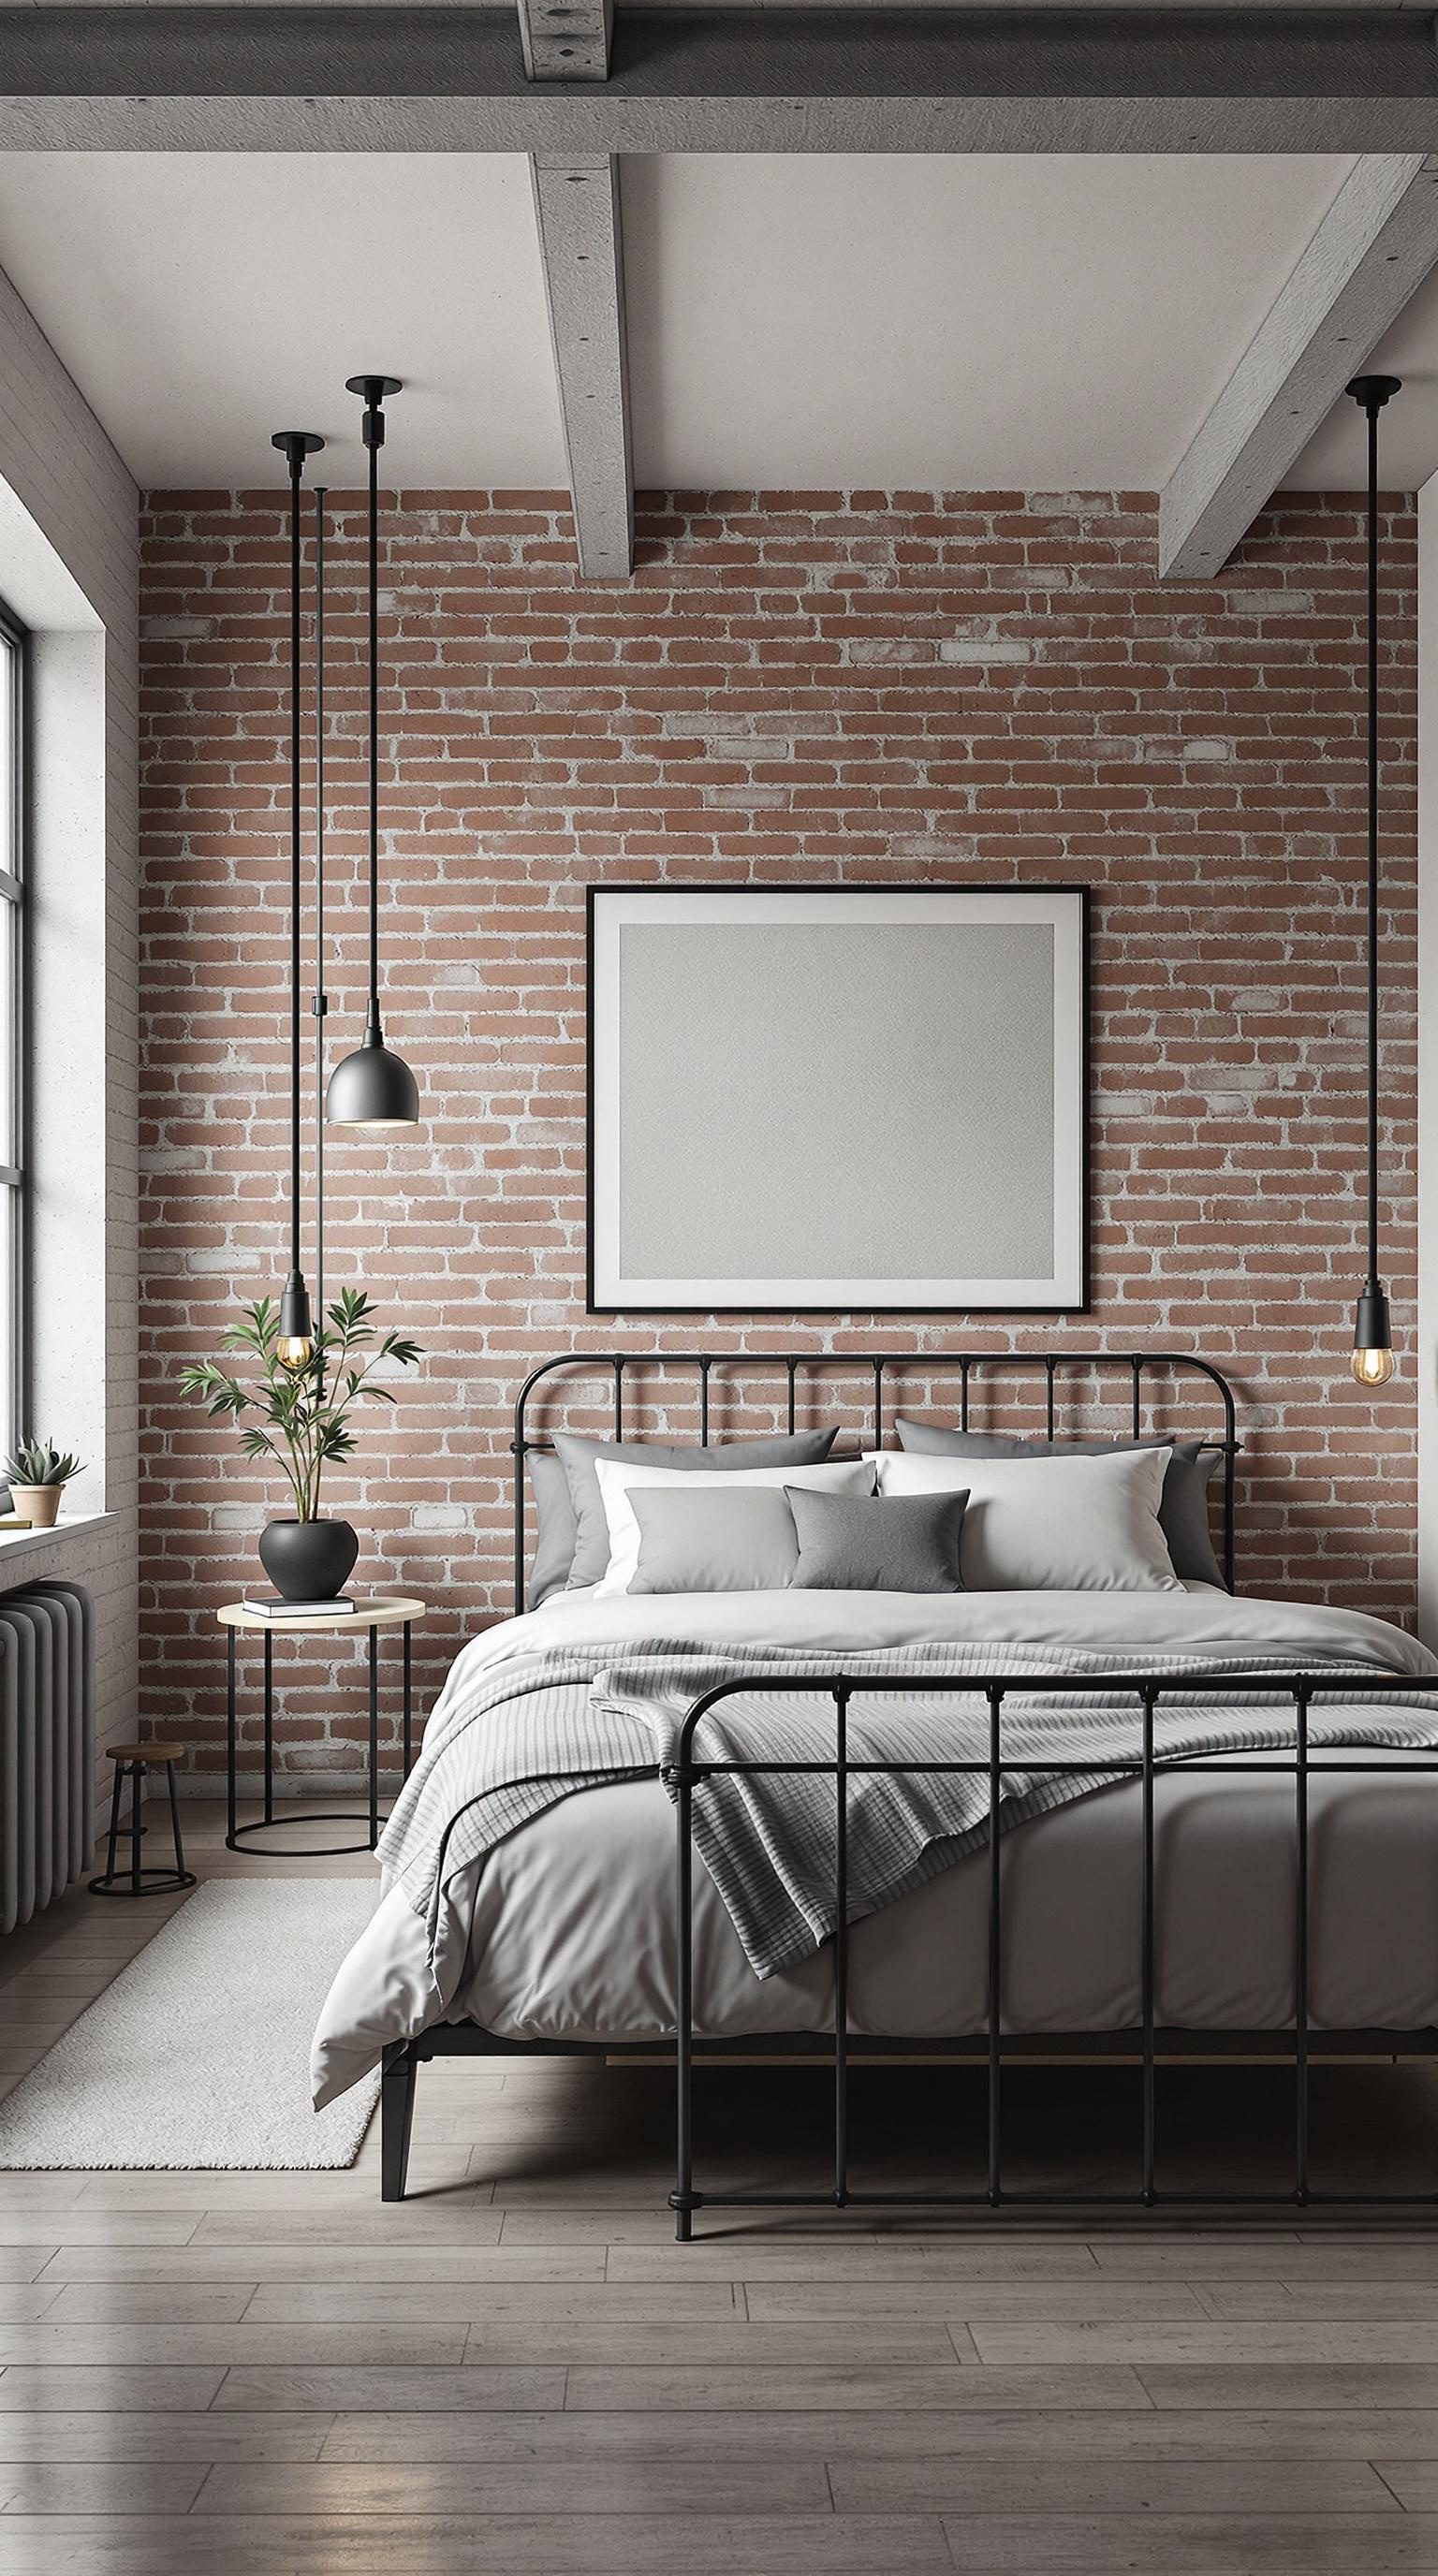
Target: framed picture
(831, 1097)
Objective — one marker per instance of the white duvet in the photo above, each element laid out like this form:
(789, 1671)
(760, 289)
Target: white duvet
(566, 1931)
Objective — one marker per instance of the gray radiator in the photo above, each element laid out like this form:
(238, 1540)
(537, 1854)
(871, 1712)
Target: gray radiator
(47, 1746)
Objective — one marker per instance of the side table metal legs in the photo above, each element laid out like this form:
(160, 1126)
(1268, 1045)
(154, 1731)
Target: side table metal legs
(373, 1736)
(230, 1843)
(237, 1835)
(269, 1815)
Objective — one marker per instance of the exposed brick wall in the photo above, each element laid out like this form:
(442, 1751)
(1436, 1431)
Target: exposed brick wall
(873, 688)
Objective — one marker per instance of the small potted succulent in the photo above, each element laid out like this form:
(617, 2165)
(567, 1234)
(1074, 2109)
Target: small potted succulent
(303, 1424)
(37, 1476)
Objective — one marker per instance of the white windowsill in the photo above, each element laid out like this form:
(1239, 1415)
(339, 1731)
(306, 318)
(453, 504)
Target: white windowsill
(70, 1525)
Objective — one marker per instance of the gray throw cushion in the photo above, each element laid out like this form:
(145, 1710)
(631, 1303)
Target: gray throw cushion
(591, 1543)
(709, 1541)
(1182, 1513)
(902, 1543)
(554, 1526)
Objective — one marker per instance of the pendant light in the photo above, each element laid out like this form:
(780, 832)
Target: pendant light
(1372, 1362)
(373, 1090)
(296, 1347)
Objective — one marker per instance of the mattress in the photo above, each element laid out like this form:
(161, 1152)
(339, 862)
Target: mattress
(567, 1932)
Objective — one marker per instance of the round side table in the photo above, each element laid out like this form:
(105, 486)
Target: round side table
(384, 1610)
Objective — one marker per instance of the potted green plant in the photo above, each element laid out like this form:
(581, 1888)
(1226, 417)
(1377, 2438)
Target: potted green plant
(37, 1476)
(303, 1425)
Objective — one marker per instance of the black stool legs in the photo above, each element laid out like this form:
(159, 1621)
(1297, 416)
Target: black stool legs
(136, 1881)
(181, 1870)
(120, 1772)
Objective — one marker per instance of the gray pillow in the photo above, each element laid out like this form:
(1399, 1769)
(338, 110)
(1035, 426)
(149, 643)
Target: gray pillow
(554, 1526)
(1182, 1513)
(902, 1543)
(591, 1544)
(710, 1541)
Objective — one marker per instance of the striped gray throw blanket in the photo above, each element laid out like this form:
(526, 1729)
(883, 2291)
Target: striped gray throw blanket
(538, 1728)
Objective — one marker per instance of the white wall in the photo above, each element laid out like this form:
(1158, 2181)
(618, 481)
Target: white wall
(69, 565)
(1427, 1355)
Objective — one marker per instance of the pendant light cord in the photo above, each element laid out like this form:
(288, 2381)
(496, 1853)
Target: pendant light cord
(374, 428)
(321, 1004)
(1373, 409)
(296, 469)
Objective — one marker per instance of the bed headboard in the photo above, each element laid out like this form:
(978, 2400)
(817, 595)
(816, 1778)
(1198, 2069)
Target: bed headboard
(877, 1368)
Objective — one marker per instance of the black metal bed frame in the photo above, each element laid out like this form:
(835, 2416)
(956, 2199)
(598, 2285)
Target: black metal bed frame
(995, 2048)
(876, 1367)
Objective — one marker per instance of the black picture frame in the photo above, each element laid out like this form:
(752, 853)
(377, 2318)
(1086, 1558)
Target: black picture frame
(597, 1273)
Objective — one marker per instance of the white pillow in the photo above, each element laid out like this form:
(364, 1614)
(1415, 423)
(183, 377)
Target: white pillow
(618, 1477)
(1049, 1524)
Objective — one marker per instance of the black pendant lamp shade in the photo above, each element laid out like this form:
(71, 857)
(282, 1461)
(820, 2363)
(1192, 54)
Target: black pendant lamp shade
(1372, 1362)
(296, 1347)
(373, 1089)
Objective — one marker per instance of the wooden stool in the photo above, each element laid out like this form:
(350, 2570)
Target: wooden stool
(132, 1761)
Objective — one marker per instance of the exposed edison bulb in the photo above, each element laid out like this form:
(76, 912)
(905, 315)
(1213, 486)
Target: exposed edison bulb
(1372, 1367)
(295, 1338)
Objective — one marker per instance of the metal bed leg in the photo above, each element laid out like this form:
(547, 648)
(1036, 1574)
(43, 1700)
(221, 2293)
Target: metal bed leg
(1300, 1951)
(396, 2118)
(682, 2198)
(995, 1980)
(841, 1950)
(1149, 2194)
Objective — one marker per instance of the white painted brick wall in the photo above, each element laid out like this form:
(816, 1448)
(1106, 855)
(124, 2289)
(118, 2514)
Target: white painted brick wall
(57, 460)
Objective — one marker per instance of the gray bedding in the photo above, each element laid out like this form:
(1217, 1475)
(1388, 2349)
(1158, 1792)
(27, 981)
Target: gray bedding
(563, 1926)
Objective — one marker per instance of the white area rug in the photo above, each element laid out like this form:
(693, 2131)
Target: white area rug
(198, 2055)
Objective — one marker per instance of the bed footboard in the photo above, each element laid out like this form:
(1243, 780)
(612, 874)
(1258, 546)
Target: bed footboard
(686, 1772)
(1147, 2046)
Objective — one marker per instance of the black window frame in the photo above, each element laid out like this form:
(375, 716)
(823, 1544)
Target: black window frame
(15, 677)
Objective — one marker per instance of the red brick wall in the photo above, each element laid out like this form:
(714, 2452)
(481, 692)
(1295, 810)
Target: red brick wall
(902, 687)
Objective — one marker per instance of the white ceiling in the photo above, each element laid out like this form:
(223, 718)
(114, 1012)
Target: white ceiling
(1028, 322)
(979, 323)
(203, 301)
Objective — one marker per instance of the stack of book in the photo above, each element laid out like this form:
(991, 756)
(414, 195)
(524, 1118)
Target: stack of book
(273, 1605)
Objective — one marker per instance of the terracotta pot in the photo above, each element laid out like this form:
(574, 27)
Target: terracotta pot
(37, 1504)
(308, 1560)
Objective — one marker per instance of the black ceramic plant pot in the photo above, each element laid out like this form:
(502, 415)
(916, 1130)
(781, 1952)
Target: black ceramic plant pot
(308, 1560)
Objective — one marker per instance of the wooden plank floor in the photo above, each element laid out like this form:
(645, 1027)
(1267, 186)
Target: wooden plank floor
(517, 2370)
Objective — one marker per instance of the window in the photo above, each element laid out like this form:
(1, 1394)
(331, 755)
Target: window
(13, 672)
